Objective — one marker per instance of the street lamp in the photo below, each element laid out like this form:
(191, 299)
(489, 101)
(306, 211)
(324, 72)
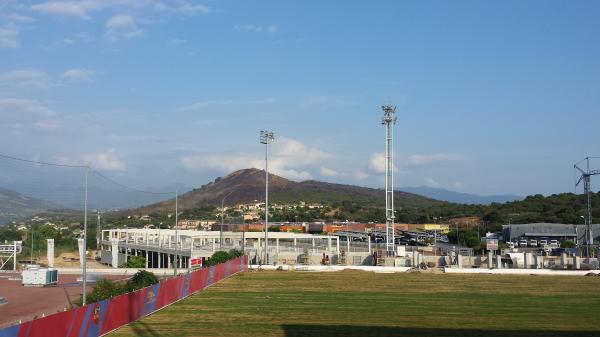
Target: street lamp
(577, 234)
(222, 219)
(266, 137)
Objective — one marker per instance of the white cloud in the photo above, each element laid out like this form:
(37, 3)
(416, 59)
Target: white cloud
(83, 9)
(78, 75)
(208, 104)
(272, 29)
(24, 113)
(73, 9)
(290, 159)
(59, 43)
(435, 158)
(24, 79)
(430, 182)
(9, 37)
(295, 151)
(459, 185)
(10, 30)
(18, 18)
(323, 102)
(107, 161)
(177, 41)
(122, 26)
(360, 175)
(192, 9)
(327, 172)
(377, 163)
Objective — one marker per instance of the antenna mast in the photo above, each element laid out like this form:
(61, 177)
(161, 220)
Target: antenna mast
(389, 120)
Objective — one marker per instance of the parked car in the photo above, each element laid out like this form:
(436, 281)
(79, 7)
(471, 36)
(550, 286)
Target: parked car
(523, 243)
(543, 242)
(533, 243)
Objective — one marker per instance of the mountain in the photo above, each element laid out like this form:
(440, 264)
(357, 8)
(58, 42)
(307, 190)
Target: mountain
(15, 206)
(460, 198)
(248, 185)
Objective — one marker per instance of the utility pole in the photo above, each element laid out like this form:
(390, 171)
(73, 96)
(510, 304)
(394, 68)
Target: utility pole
(266, 137)
(586, 178)
(98, 233)
(176, 259)
(31, 244)
(389, 120)
(85, 218)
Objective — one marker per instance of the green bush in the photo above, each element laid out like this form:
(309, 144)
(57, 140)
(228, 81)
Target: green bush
(143, 279)
(235, 253)
(567, 244)
(218, 257)
(104, 289)
(136, 262)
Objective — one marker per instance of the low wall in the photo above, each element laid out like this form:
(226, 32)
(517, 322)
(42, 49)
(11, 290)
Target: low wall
(100, 318)
(520, 271)
(333, 268)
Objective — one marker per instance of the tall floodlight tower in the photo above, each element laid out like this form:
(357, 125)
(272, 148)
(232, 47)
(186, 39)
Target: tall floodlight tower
(586, 178)
(389, 120)
(266, 137)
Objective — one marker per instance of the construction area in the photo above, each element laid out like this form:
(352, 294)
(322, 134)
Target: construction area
(160, 247)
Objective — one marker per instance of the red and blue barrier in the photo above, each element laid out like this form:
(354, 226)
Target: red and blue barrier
(100, 318)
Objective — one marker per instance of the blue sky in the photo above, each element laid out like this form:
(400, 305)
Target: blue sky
(493, 97)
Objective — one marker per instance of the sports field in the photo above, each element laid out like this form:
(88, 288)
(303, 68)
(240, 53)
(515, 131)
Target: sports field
(354, 303)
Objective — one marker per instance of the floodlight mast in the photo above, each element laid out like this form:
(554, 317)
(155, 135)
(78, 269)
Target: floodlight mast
(266, 137)
(389, 120)
(586, 178)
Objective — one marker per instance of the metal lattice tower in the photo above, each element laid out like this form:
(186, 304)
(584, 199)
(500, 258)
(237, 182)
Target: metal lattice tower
(586, 178)
(389, 120)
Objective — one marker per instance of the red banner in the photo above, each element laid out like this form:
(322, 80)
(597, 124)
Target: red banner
(100, 318)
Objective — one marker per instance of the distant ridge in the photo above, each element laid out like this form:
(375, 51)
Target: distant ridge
(248, 185)
(15, 206)
(460, 198)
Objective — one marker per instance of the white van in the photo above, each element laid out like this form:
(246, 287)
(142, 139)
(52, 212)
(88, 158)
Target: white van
(523, 243)
(533, 243)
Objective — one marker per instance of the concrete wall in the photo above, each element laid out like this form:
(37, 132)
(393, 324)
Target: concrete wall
(106, 258)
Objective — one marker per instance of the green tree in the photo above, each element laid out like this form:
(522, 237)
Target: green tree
(218, 257)
(567, 244)
(104, 289)
(136, 262)
(143, 279)
(235, 253)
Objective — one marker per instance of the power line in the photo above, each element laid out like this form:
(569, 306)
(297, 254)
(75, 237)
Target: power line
(40, 162)
(129, 187)
(85, 167)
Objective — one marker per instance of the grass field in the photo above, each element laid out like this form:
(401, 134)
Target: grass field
(353, 303)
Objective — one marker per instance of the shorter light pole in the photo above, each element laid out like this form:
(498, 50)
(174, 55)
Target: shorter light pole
(222, 219)
(31, 244)
(576, 234)
(98, 233)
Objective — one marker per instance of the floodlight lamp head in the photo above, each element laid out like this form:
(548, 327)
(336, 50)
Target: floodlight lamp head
(388, 108)
(266, 137)
(389, 112)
